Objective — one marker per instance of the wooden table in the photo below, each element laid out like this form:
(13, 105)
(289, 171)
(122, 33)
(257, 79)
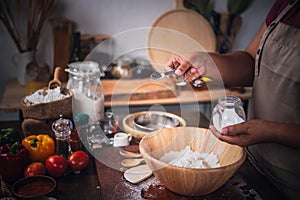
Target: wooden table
(133, 93)
(246, 183)
(100, 181)
(71, 186)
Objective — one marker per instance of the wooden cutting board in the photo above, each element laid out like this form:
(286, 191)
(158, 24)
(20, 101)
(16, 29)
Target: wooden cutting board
(178, 31)
(137, 89)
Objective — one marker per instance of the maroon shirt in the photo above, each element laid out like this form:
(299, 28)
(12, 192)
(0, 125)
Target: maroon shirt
(292, 18)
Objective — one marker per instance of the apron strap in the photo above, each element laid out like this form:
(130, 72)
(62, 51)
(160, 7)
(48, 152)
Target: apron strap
(270, 28)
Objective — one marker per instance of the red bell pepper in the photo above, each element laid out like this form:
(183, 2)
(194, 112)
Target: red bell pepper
(13, 159)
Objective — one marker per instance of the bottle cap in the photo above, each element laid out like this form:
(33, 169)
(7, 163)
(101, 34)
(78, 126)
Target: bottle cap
(81, 119)
(62, 127)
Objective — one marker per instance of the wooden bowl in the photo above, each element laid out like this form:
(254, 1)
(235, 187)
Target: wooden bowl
(136, 132)
(190, 181)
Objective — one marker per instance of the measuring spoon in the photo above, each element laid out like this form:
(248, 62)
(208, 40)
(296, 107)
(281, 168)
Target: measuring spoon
(161, 75)
(198, 82)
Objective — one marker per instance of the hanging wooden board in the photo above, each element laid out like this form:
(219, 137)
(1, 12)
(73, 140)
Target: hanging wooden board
(178, 31)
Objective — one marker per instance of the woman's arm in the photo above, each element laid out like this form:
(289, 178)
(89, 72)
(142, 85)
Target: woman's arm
(237, 68)
(234, 68)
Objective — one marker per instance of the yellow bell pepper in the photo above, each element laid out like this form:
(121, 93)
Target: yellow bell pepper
(40, 147)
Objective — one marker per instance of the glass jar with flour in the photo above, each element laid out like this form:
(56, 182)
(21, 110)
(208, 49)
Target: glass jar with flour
(84, 82)
(228, 111)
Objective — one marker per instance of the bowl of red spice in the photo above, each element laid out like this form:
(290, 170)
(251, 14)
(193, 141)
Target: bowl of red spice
(33, 187)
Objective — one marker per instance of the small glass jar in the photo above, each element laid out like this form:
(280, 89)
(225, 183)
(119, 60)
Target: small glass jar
(228, 111)
(110, 124)
(84, 82)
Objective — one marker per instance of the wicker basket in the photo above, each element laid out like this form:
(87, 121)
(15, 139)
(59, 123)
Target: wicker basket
(51, 110)
(38, 118)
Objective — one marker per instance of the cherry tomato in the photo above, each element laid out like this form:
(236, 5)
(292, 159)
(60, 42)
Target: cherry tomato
(56, 165)
(78, 161)
(35, 168)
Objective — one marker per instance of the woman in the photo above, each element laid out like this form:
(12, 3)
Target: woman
(271, 64)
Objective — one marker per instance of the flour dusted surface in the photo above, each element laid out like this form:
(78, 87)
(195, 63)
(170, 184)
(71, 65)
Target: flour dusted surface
(191, 159)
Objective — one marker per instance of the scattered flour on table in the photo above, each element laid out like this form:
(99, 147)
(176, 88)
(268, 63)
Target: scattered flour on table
(191, 159)
(45, 96)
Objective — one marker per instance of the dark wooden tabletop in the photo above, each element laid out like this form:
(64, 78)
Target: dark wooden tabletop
(100, 181)
(70, 186)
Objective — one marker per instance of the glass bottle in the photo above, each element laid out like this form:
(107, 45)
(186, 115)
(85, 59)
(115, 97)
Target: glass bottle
(84, 82)
(62, 29)
(76, 48)
(78, 134)
(110, 125)
(228, 111)
(37, 76)
(62, 129)
(75, 141)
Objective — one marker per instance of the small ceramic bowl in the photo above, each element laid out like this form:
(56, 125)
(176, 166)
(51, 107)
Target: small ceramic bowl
(33, 187)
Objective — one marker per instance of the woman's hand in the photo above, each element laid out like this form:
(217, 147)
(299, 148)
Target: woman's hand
(232, 69)
(243, 134)
(260, 131)
(190, 65)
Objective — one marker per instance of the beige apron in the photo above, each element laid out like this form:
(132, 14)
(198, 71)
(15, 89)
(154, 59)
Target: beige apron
(276, 97)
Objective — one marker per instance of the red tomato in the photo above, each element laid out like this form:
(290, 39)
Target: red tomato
(35, 168)
(78, 161)
(56, 165)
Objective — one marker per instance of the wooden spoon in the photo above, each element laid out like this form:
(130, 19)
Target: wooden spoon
(55, 82)
(137, 174)
(131, 162)
(128, 154)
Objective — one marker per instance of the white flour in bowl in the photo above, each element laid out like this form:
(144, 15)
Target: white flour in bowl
(191, 159)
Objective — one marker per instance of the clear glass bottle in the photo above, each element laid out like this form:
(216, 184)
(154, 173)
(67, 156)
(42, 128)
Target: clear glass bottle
(62, 129)
(84, 82)
(75, 55)
(37, 76)
(228, 111)
(79, 132)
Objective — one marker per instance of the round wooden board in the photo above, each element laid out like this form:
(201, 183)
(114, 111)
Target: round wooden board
(177, 32)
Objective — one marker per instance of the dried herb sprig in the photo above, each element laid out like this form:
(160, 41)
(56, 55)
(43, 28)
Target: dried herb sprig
(36, 12)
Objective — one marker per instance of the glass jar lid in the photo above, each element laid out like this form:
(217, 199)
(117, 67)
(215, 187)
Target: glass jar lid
(229, 101)
(84, 68)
